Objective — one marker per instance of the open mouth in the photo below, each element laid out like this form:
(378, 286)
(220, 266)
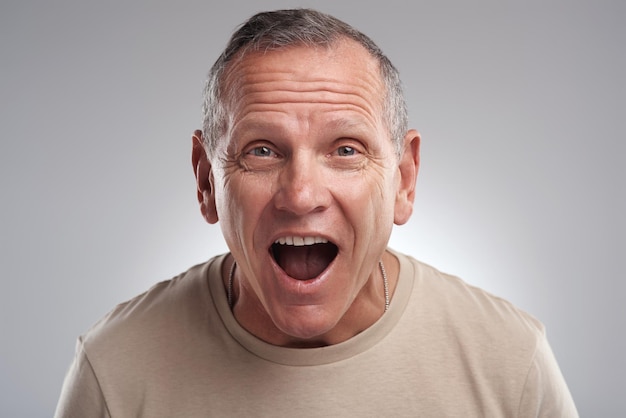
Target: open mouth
(303, 258)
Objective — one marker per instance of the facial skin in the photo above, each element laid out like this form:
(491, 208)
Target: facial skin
(307, 154)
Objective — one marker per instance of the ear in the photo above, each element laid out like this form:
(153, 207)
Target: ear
(408, 168)
(204, 178)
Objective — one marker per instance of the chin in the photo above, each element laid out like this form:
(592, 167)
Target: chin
(307, 324)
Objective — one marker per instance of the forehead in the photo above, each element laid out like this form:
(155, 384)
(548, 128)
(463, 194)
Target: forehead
(344, 70)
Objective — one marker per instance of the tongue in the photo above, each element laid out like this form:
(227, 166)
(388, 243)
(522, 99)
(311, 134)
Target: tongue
(303, 263)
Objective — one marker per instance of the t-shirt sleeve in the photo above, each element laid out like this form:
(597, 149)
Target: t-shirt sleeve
(545, 392)
(81, 395)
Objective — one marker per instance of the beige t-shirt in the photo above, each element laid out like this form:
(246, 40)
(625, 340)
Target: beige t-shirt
(443, 349)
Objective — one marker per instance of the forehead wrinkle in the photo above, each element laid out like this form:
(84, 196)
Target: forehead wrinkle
(270, 83)
(312, 67)
(317, 95)
(362, 107)
(255, 69)
(317, 91)
(257, 118)
(258, 79)
(362, 84)
(337, 96)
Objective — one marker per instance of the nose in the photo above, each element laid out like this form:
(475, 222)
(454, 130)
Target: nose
(303, 186)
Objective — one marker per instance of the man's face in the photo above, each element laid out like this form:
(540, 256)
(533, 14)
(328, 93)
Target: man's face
(306, 185)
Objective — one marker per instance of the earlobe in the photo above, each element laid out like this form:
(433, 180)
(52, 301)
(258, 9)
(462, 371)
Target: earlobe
(204, 178)
(408, 169)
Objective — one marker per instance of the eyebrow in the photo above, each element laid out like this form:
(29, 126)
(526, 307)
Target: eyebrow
(258, 125)
(349, 125)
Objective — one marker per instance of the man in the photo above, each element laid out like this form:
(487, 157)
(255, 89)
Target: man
(306, 161)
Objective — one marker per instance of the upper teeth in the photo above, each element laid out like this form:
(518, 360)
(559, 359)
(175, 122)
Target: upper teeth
(300, 241)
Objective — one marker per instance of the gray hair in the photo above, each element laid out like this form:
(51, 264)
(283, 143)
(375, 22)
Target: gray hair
(268, 31)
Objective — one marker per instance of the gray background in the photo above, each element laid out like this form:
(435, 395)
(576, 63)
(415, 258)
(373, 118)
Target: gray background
(521, 190)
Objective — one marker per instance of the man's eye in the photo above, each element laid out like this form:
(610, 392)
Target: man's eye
(261, 151)
(345, 151)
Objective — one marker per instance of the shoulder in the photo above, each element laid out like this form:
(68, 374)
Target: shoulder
(463, 321)
(457, 302)
(469, 338)
(170, 310)
(148, 344)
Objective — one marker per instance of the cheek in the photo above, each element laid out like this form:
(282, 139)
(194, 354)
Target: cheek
(368, 199)
(241, 203)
